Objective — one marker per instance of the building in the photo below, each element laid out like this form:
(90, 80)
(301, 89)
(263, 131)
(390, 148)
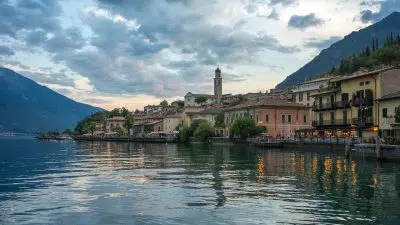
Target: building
(152, 109)
(207, 114)
(171, 122)
(280, 117)
(149, 123)
(217, 98)
(346, 107)
(114, 122)
(389, 126)
(301, 93)
(190, 99)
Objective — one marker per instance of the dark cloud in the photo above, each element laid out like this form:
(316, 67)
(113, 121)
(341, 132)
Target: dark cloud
(273, 15)
(282, 2)
(6, 51)
(29, 15)
(65, 40)
(321, 44)
(35, 37)
(386, 7)
(304, 22)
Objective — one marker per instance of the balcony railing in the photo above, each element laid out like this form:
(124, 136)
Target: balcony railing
(338, 122)
(368, 120)
(343, 104)
(357, 102)
(324, 106)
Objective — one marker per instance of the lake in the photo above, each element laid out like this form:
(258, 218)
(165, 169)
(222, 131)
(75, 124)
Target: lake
(130, 183)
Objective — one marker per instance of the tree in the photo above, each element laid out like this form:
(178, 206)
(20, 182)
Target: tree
(120, 131)
(90, 128)
(195, 124)
(164, 103)
(178, 103)
(184, 134)
(243, 127)
(201, 99)
(128, 123)
(204, 131)
(219, 120)
(367, 51)
(115, 112)
(125, 112)
(67, 131)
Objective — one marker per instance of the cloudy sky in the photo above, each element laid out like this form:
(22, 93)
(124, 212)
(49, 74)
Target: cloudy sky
(113, 53)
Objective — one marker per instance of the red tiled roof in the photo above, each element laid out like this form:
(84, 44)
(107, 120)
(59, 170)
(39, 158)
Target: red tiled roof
(393, 95)
(266, 102)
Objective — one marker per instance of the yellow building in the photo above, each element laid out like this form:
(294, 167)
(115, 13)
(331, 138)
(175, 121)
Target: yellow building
(388, 125)
(347, 106)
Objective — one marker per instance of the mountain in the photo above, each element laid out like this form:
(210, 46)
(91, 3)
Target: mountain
(351, 44)
(26, 106)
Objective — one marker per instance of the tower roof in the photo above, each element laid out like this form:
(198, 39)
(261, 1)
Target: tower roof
(218, 70)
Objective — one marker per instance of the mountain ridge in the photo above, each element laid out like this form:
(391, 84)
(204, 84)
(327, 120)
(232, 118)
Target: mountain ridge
(26, 106)
(352, 43)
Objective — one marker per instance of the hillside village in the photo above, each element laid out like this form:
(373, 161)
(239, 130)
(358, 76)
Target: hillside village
(358, 104)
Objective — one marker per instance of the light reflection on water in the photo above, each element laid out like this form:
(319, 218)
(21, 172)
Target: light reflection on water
(126, 183)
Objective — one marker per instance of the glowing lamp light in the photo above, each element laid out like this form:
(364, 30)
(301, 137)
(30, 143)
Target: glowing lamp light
(375, 129)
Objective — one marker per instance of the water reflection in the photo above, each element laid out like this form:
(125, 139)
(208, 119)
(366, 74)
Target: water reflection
(125, 183)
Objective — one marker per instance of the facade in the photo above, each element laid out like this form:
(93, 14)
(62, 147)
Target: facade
(389, 126)
(302, 92)
(148, 124)
(207, 114)
(171, 122)
(282, 118)
(152, 109)
(347, 106)
(114, 122)
(190, 99)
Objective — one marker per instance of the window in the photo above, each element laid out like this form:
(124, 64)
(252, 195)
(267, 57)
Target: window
(305, 119)
(283, 119)
(257, 118)
(308, 96)
(366, 82)
(384, 113)
(267, 118)
(300, 97)
(289, 118)
(361, 83)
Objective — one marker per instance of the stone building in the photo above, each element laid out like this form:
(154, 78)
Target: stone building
(280, 117)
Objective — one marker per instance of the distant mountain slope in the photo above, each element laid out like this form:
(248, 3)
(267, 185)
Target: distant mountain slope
(353, 43)
(26, 106)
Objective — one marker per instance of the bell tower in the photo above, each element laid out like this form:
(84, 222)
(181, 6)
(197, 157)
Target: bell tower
(218, 86)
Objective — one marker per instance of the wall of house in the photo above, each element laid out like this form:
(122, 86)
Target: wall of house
(210, 118)
(171, 123)
(275, 125)
(190, 100)
(390, 105)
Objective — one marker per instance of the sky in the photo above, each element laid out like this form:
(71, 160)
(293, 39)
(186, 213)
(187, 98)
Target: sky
(130, 53)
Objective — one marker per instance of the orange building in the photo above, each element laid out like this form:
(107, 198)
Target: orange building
(280, 117)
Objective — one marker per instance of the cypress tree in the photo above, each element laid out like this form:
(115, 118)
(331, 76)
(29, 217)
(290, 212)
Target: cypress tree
(377, 44)
(367, 51)
(373, 45)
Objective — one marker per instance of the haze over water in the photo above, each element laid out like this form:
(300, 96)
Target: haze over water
(121, 183)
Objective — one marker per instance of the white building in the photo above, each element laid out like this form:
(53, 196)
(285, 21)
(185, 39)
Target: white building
(302, 92)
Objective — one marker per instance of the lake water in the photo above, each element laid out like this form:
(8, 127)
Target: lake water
(121, 183)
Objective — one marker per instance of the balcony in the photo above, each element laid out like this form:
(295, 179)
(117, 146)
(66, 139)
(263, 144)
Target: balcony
(339, 122)
(343, 104)
(358, 102)
(324, 106)
(362, 122)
